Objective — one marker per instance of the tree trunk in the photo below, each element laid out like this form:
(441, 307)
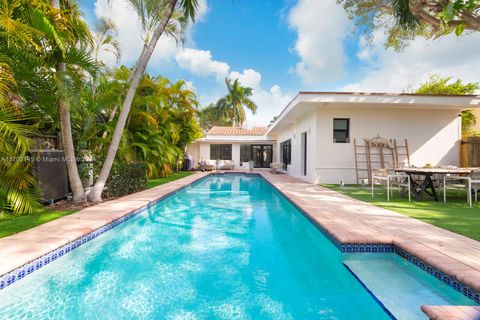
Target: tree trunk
(144, 49)
(78, 193)
(95, 195)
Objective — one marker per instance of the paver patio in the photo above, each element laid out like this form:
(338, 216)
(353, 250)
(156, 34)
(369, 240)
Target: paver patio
(346, 219)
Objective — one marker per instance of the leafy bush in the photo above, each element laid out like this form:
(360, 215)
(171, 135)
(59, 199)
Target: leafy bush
(126, 178)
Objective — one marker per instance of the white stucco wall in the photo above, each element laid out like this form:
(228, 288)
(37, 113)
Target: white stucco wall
(432, 135)
(294, 132)
(203, 148)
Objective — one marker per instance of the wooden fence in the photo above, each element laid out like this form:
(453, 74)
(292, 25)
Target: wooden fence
(470, 152)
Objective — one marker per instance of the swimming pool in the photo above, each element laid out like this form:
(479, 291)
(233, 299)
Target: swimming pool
(228, 247)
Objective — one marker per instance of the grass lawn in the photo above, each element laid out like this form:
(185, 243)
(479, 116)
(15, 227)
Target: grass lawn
(455, 215)
(14, 224)
(175, 176)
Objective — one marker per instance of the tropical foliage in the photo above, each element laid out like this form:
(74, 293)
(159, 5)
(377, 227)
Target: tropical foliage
(437, 85)
(232, 105)
(156, 17)
(53, 81)
(405, 19)
(210, 117)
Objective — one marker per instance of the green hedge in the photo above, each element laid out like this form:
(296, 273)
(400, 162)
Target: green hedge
(126, 178)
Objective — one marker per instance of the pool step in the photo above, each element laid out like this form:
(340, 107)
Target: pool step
(400, 286)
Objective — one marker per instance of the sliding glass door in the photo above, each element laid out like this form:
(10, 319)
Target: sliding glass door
(262, 155)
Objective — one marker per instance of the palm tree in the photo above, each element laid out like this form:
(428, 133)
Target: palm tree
(18, 192)
(104, 40)
(71, 31)
(17, 184)
(231, 106)
(38, 37)
(155, 9)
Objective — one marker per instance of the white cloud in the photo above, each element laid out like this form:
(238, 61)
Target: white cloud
(392, 71)
(321, 27)
(130, 35)
(202, 10)
(200, 63)
(248, 78)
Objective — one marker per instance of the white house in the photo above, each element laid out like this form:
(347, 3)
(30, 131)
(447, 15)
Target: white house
(237, 144)
(314, 133)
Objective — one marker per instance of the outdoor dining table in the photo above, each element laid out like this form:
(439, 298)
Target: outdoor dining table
(424, 185)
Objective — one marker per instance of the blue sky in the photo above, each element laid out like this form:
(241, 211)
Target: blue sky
(280, 47)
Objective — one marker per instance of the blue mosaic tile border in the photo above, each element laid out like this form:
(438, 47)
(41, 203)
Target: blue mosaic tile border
(448, 280)
(366, 248)
(389, 248)
(467, 291)
(28, 268)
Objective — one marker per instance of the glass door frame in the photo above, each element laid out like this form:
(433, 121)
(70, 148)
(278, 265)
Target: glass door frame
(262, 162)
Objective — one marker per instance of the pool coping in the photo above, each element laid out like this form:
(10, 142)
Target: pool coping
(35, 251)
(462, 278)
(96, 221)
(452, 312)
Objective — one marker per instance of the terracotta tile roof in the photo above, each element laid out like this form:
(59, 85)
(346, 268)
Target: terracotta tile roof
(237, 131)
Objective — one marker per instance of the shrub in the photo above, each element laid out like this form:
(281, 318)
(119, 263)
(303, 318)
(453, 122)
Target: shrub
(126, 178)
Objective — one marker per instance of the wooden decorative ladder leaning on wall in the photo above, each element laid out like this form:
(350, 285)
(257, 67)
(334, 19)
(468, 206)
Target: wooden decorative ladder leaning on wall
(379, 153)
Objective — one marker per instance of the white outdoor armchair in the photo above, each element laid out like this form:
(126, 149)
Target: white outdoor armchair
(276, 167)
(391, 180)
(471, 183)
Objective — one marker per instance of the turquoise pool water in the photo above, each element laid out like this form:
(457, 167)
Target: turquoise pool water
(229, 247)
(401, 286)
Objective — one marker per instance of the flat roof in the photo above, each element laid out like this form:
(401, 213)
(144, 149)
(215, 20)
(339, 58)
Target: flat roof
(390, 94)
(378, 99)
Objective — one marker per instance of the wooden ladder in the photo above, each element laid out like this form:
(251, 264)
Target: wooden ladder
(362, 161)
(369, 157)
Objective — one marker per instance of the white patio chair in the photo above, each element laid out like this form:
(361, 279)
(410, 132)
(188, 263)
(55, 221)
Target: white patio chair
(475, 183)
(276, 167)
(391, 180)
(456, 182)
(471, 183)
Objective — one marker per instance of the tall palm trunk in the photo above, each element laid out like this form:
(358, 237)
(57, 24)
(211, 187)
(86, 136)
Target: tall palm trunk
(95, 195)
(78, 193)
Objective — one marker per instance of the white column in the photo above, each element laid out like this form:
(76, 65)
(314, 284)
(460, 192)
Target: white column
(236, 153)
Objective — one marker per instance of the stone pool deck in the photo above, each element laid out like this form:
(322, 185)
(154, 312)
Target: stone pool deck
(346, 219)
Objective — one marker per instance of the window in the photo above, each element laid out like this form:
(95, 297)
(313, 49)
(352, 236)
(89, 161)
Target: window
(221, 151)
(286, 152)
(244, 152)
(341, 128)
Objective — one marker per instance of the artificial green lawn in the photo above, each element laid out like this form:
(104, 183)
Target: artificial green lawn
(174, 176)
(13, 224)
(455, 215)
